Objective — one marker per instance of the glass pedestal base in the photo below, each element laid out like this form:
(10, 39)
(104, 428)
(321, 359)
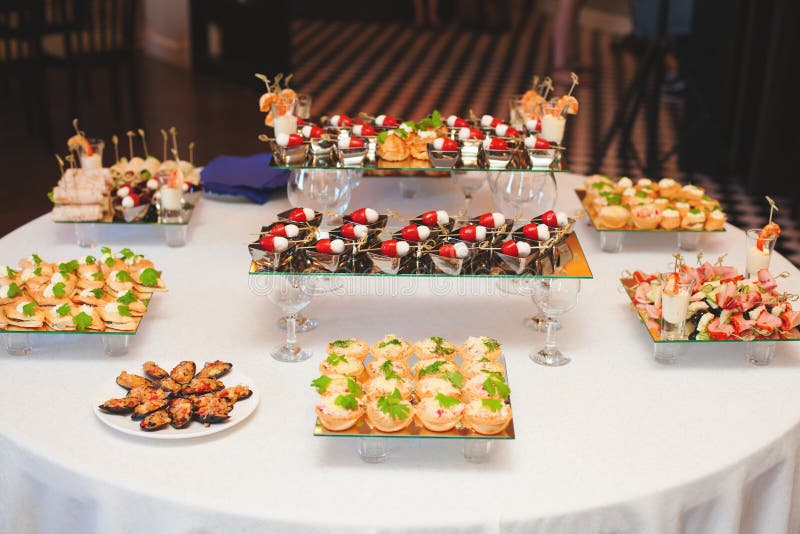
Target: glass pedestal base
(760, 353)
(17, 344)
(550, 359)
(175, 234)
(689, 240)
(477, 451)
(611, 241)
(290, 353)
(85, 234)
(373, 450)
(115, 345)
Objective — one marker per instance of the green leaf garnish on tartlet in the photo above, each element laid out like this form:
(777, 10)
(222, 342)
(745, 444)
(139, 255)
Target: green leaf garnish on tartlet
(28, 309)
(495, 385)
(446, 401)
(494, 405)
(348, 402)
(63, 310)
(342, 343)
(321, 383)
(335, 359)
(392, 404)
(59, 290)
(149, 277)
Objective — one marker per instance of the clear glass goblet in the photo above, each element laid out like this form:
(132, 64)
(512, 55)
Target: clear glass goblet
(524, 195)
(291, 294)
(469, 183)
(327, 191)
(555, 297)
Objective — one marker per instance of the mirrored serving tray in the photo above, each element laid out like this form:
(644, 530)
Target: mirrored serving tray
(630, 288)
(47, 330)
(581, 193)
(152, 218)
(415, 430)
(413, 167)
(565, 260)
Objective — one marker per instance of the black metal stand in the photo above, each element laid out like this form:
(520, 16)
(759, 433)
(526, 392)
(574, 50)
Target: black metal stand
(651, 66)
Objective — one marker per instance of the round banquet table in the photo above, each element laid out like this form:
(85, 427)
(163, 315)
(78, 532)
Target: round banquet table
(612, 442)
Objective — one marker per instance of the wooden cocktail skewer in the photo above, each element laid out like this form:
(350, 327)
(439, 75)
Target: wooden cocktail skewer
(535, 82)
(164, 135)
(772, 208)
(287, 80)
(174, 133)
(575, 83)
(115, 140)
(131, 134)
(265, 80)
(71, 159)
(547, 83)
(60, 164)
(191, 153)
(144, 143)
(276, 86)
(77, 130)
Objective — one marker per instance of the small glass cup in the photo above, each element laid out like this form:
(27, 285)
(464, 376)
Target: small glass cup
(553, 124)
(303, 106)
(759, 252)
(93, 160)
(674, 309)
(469, 183)
(325, 190)
(170, 196)
(284, 117)
(516, 116)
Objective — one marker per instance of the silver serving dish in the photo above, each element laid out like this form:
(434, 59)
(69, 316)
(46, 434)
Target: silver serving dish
(289, 155)
(385, 264)
(444, 159)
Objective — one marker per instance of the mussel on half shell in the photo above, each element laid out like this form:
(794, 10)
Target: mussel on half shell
(119, 406)
(201, 386)
(214, 369)
(180, 411)
(155, 372)
(183, 372)
(155, 421)
(212, 409)
(148, 407)
(129, 381)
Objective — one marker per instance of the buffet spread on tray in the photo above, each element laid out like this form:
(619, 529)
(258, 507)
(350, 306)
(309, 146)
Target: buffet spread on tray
(648, 205)
(430, 244)
(383, 143)
(108, 294)
(133, 190)
(431, 388)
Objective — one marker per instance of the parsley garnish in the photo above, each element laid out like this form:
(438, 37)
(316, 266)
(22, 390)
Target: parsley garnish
(389, 374)
(393, 341)
(446, 401)
(59, 289)
(491, 344)
(105, 250)
(433, 369)
(335, 359)
(97, 292)
(342, 343)
(124, 311)
(493, 404)
(63, 310)
(457, 379)
(641, 194)
(348, 402)
(82, 321)
(353, 387)
(10, 272)
(68, 267)
(36, 259)
(401, 132)
(484, 360)
(110, 261)
(37, 271)
(695, 211)
(496, 386)
(28, 309)
(381, 138)
(387, 366)
(440, 349)
(88, 260)
(124, 276)
(98, 276)
(149, 277)
(392, 404)
(430, 122)
(126, 298)
(126, 253)
(321, 383)
(13, 290)
(51, 196)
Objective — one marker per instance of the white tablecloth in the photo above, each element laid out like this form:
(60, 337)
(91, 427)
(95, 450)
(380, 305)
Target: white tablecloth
(612, 442)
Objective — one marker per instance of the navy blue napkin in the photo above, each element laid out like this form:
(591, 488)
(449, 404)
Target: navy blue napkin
(250, 177)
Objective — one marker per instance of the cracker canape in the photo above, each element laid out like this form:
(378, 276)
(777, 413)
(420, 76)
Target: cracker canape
(392, 348)
(339, 412)
(476, 348)
(379, 366)
(340, 365)
(434, 347)
(350, 347)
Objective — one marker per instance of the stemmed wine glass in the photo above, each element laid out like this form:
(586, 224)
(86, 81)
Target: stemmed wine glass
(525, 195)
(291, 293)
(555, 297)
(327, 191)
(469, 183)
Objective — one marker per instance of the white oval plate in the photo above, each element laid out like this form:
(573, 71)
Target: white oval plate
(126, 425)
